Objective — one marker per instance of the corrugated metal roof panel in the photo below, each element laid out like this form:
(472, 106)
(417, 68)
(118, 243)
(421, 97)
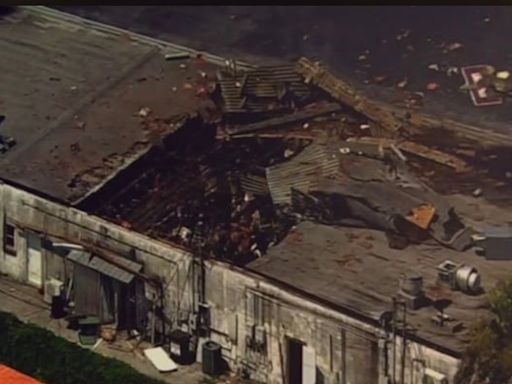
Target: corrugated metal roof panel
(254, 184)
(103, 266)
(260, 88)
(79, 257)
(303, 172)
(111, 270)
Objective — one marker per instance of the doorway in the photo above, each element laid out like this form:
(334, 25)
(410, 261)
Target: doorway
(294, 361)
(34, 260)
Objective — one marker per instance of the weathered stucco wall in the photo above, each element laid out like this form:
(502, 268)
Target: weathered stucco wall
(344, 349)
(172, 265)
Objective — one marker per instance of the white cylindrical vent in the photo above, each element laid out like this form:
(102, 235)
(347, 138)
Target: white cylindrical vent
(468, 279)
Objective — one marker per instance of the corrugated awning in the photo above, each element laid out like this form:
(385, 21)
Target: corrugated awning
(102, 266)
(114, 271)
(80, 257)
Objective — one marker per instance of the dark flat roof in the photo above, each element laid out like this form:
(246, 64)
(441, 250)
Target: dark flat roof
(356, 269)
(71, 94)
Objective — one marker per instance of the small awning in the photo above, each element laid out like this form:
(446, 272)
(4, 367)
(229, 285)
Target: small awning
(80, 257)
(114, 271)
(102, 266)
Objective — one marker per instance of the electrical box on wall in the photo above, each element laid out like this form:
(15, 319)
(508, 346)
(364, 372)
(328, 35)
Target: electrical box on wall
(204, 319)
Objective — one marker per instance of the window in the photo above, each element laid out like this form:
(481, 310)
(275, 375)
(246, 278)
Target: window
(9, 239)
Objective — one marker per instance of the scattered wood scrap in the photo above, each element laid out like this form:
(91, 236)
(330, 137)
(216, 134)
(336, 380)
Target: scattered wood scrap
(314, 73)
(416, 149)
(304, 115)
(392, 118)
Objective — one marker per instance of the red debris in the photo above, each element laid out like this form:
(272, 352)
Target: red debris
(201, 91)
(126, 224)
(433, 86)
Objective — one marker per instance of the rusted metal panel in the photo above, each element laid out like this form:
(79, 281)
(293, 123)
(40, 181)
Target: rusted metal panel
(422, 215)
(303, 172)
(262, 90)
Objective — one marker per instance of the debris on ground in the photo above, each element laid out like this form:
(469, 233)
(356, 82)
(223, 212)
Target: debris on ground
(144, 112)
(75, 147)
(403, 35)
(402, 84)
(502, 82)
(388, 117)
(478, 80)
(432, 86)
(452, 71)
(160, 359)
(453, 47)
(379, 79)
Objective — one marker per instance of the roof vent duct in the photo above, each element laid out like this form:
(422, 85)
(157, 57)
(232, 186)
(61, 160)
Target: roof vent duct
(411, 290)
(459, 277)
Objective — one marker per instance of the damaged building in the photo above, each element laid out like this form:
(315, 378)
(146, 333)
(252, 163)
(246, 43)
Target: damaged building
(158, 190)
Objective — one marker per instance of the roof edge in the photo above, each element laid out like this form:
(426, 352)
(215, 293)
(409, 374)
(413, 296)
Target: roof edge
(64, 17)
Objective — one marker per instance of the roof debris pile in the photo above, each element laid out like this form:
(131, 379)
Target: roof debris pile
(282, 153)
(365, 188)
(205, 194)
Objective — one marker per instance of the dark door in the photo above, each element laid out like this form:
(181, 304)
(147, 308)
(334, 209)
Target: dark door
(294, 361)
(87, 291)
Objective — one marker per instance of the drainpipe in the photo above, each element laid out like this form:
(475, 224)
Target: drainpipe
(383, 359)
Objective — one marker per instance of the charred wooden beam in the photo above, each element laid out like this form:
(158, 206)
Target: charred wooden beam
(292, 118)
(419, 150)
